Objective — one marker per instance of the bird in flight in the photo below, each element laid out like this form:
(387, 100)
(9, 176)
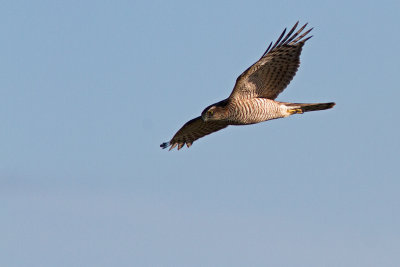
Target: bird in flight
(252, 98)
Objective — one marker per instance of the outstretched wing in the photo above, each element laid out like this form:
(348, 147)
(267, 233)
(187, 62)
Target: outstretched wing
(270, 75)
(193, 130)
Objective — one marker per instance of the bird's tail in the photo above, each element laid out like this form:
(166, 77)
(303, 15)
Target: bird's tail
(295, 108)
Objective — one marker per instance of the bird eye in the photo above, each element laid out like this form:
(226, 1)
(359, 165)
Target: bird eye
(210, 113)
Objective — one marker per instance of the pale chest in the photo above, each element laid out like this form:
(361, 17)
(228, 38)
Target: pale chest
(249, 111)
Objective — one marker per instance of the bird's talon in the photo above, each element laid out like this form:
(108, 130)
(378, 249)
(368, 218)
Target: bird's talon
(295, 111)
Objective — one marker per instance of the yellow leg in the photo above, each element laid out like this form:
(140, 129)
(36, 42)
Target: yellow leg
(295, 111)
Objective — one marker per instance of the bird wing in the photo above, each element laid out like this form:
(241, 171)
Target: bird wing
(270, 75)
(193, 130)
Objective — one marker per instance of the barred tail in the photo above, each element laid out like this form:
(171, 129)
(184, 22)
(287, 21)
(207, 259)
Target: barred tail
(310, 107)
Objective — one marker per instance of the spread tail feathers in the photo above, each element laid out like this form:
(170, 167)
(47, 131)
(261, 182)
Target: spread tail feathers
(309, 107)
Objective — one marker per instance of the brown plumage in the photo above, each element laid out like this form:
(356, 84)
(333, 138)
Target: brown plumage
(252, 98)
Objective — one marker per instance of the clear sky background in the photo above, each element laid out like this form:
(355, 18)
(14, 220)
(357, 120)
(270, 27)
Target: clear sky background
(89, 90)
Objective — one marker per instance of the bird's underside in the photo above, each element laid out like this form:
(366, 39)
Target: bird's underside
(252, 98)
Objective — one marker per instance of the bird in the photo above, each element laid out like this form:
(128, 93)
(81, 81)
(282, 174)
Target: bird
(252, 99)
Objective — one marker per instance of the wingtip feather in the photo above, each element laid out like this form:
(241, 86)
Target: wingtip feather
(165, 145)
(289, 34)
(172, 147)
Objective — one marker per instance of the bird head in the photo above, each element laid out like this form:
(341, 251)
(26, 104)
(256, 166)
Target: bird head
(214, 113)
(209, 113)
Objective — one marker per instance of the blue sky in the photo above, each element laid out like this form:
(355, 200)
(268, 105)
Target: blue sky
(89, 89)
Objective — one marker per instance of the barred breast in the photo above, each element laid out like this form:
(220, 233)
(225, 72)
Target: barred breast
(254, 110)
